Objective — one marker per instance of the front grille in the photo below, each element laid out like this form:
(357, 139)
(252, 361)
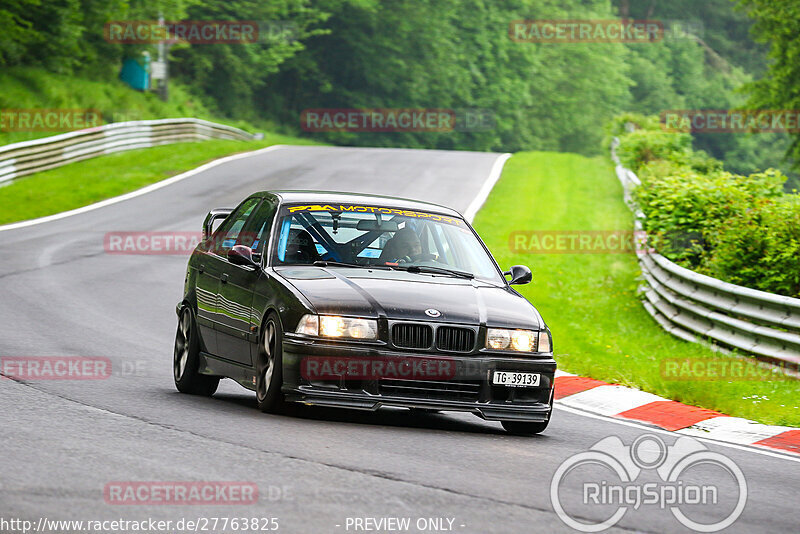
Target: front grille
(455, 339)
(429, 389)
(412, 336)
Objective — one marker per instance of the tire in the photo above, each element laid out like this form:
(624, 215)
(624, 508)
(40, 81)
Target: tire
(186, 359)
(269, 367)
(521, 428)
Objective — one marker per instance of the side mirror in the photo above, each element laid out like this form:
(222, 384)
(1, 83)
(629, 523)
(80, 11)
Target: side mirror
(212, 217)
(241, 255)
(519, 275)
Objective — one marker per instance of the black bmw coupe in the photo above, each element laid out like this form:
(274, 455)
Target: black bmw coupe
(361, 301)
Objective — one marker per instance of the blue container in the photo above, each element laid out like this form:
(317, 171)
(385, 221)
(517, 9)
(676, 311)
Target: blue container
(135, 74)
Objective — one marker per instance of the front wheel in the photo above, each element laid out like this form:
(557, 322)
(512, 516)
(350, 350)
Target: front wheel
(523, 428)
(186, 360)
(269, 377)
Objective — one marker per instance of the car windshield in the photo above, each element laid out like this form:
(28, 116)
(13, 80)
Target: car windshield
(381, 236)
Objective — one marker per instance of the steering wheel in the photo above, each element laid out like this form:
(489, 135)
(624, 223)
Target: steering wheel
(418, 257)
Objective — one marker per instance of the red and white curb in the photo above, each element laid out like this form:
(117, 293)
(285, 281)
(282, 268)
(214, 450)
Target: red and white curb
(621, 402)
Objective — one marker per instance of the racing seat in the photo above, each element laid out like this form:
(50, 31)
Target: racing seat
(300, 248)
(389, 252)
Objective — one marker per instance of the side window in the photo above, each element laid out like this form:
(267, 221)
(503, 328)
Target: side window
(257, 234)
(296, 245)
(228, 233)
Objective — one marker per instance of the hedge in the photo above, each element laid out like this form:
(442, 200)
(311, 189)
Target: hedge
(741, 229)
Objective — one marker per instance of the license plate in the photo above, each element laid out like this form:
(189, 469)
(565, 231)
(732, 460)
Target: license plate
(512, 379)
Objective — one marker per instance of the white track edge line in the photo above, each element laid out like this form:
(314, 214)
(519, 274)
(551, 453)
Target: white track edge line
(488, 185)
(139, 192)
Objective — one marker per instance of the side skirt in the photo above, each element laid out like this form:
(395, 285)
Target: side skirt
(212, 365)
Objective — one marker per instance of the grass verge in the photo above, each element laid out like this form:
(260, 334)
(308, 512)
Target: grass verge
(590, 301)
(85, 182)
(29, 88)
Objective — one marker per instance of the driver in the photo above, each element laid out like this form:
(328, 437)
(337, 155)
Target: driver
(407, 243)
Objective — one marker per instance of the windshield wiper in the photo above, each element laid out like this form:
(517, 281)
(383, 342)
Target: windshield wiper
(328, 263)
(435, 270)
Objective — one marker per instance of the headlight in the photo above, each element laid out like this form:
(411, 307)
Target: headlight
(516, 340)
(333, 326)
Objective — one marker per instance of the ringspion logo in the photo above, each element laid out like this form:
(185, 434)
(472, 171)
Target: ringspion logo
(648, 476)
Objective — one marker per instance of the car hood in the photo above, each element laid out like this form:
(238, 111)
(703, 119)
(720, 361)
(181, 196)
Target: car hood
(401, 295)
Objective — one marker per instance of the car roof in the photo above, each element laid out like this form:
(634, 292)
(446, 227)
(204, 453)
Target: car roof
(325, 197)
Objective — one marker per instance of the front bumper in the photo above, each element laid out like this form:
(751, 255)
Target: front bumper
(467, 389)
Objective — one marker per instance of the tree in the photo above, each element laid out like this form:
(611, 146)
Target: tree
(778, 23)
(455, 55)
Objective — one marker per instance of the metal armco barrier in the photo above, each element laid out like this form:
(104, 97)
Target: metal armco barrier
(28, 157)
(697, 308)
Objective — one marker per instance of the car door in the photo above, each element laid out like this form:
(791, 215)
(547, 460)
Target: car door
(212, 268)
(207, 289)
(238, 321)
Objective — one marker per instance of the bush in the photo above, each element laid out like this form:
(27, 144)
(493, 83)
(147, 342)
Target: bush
(649, 143)
(741, 229)
(619, 125)
(640, 147)
(684, 208)
(760, 247)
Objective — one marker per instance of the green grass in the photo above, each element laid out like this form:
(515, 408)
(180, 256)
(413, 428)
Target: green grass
(82, 183)
(32, 88)
(590, 301)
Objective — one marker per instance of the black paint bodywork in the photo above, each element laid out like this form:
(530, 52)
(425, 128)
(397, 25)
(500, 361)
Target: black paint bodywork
(230, 303)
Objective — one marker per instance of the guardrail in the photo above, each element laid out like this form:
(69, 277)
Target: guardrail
(698, 308)
(28, 157)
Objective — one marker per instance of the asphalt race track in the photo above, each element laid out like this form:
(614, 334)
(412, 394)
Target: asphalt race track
(317, 470)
